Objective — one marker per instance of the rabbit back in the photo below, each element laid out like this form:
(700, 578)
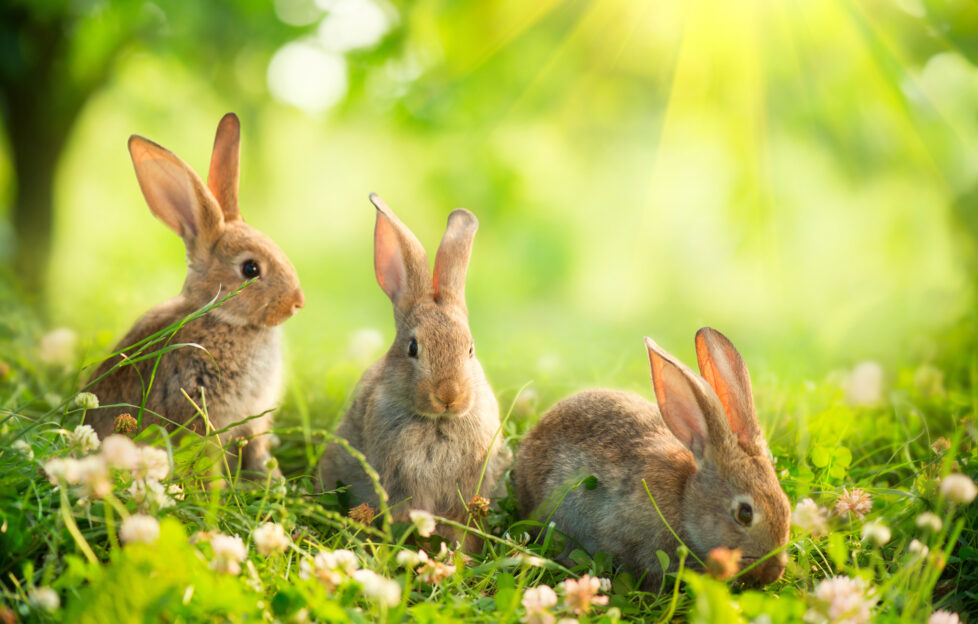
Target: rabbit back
(618, 438)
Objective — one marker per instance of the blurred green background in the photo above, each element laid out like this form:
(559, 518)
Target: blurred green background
(801, 175)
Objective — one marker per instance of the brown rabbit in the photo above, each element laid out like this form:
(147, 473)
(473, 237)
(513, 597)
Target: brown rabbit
(424, 416)
(239, 372)
(701, 452)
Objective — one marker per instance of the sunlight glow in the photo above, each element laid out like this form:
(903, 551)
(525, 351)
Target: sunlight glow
(353, 24)
(308, 77)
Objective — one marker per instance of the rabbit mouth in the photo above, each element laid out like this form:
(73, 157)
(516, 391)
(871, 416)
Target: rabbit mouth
(436, 410)
(767, 571)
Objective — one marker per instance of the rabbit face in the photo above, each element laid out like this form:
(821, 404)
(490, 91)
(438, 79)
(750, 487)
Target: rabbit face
(241, 254)
(222, 250)
(437, 353)
(739, 504)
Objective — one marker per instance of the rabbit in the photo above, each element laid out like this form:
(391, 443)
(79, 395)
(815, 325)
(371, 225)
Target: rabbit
(701, 451)
(238, 373)
(424, 415)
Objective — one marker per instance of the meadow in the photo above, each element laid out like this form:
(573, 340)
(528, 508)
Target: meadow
(800, 176)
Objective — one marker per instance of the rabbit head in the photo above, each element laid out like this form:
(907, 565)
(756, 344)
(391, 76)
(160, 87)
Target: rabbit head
(733, 498)
(431, 367)
(222, 250)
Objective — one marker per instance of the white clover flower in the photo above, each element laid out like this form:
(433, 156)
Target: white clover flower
(62, 469)
(864, 385)
(876, 533)
(580, 594)
(139, 528)
(84, 438)
(58, 347)
(856, 502)
(153, 463)
(410, 558)
(270, 538)
(929, 521)
(539, 598)
(943, 617)
(150, 493)
(434, 571)
(120, 452)
(809, 517)
(22, 447)
(86, 401)
(89, 472)
(229, 552)
(175, 491)
(918, 548)
(604, 584)
(377, 587)
(841, 600)
(423, 521)
(345, 560)
(95, 478)
(44, 599)
(958, 488)
(305, 569)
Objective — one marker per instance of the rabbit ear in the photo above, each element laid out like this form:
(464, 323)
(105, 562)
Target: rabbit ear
(726, 372)
(222, 179)
(175, 193)
(680, 396)
(452, 259)
(400, 261)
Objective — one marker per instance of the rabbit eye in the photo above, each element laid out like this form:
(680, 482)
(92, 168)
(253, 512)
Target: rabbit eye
(250, 270)
(744, 515)
(413, 348)
(472, 350)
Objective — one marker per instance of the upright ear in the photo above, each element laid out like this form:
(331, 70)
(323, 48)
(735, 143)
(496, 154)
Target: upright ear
(726, 372)
(680, 397)
(452, 259)
(175, 193)
(222, 179)
(400, 262)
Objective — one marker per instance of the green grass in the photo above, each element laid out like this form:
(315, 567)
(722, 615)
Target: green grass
(50, 539)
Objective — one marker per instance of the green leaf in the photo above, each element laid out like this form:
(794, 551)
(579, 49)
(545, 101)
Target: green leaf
(590, 483)
(821, 457)
(505, 588)
(837, 549)
(842, 457)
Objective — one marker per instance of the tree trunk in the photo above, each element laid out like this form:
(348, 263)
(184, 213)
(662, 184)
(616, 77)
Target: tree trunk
(41, 106)
(34, 161)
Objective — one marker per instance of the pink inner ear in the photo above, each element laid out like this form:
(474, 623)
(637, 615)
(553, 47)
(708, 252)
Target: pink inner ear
(678, 404)
(732, 387)
(168, 191)
(388, 262)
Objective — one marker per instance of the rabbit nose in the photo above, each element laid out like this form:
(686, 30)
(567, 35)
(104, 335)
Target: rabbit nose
(771, 570)
(299, 302)
(447, 393)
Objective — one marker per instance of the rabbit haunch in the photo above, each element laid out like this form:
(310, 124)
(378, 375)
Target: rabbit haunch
(700, 452)
(424, 416)
(238, 372)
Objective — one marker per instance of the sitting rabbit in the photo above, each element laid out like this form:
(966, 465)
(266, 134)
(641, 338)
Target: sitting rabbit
(238, 373)
(424, 416)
